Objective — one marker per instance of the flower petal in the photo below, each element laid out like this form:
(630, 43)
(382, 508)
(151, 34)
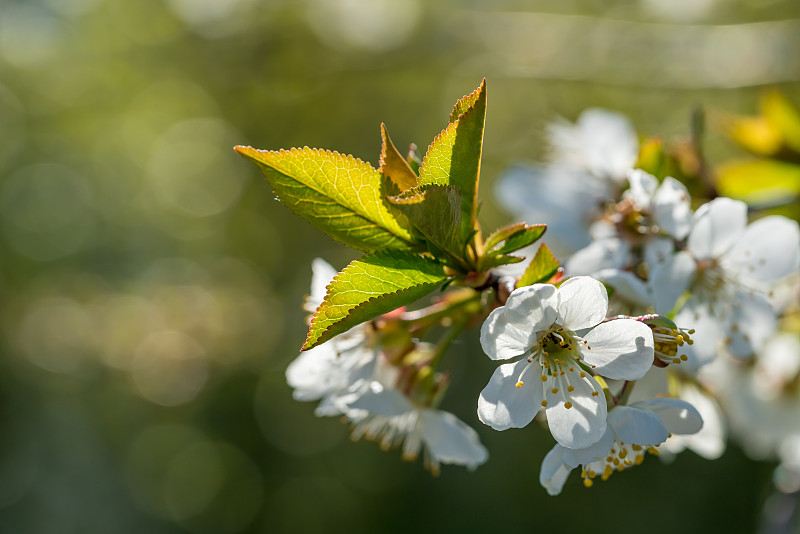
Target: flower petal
(381, 401)
(450, 440)
(603, 142)
(642, 188)
(768, 250)
(315, 373)
(609, 253)
(636, 425)
(321, 275)
(555, 196)
(750, 325)
(582, 303)
(707, 337)
(716, 227)
(622, 349)
(670, 279)
(585, 422)
(657, 250)
(554, 473)
(678, 416)
(627, 286)
(672, 211)
(503, 405)
(576, 457)
(511, 329)
(709, 442)
(777, 364)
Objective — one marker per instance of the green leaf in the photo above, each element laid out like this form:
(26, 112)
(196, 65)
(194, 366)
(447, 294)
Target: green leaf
(435, 211)
(521, 238)
(543, 266)
(755, 134)
(488, 262)
(394, 166)
(759, 181)
(340, 195)
(783, 116)
(454, 157)
(501, 234)
(371, 286)
(466, 102)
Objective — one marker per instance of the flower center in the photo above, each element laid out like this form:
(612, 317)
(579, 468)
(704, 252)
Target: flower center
(724, 290)
(667, 342)
(558, 362)
(632, 220)
(620, 457)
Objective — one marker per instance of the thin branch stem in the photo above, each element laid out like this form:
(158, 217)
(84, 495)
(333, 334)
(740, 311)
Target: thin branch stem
(437, 311)
(447, 340)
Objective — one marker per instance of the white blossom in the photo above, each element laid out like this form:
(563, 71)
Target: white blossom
(329, 370)
(560, 339)
(648, 219)
(632, 431)
(761, 400)
(709, 442)
(387, 416)
(601, 142)
(728, 268)
(588, 166)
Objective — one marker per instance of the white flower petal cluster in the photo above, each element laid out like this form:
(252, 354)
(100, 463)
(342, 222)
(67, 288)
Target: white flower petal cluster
(762, 400)
(331, 370)
(649, 218)
(589, 164)
(351, 377)
(632, 431)
(602, 143)
(709, 442)
(559, 339)
(387, 416)
(728, 267)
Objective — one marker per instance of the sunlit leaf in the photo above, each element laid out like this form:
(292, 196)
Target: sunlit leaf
(340, 195)
(436, 212)
(543, 266)
(754, 134)
(488, 262)
(783, 116)
(501, 234)
(521, 238)
(466, 102)
(454, 157)
(371, 286)
(759, 181)
(394, 166)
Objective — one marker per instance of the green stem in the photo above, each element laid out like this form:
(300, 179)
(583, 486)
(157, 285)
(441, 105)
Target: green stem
(447, 340)
(437, 311)
(625, 392)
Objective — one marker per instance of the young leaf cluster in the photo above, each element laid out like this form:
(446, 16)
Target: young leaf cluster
(415, 220)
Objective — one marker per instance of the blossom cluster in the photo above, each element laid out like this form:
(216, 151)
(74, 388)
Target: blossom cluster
(672, 321)
(727, 282)
(388, 398)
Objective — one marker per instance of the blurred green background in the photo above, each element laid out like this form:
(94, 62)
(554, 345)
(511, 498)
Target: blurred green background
(151, 285)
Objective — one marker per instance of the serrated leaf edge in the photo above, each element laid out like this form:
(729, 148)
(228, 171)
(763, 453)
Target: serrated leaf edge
(242, 150)
(481, 87)
(319, 340)
(386, 141)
